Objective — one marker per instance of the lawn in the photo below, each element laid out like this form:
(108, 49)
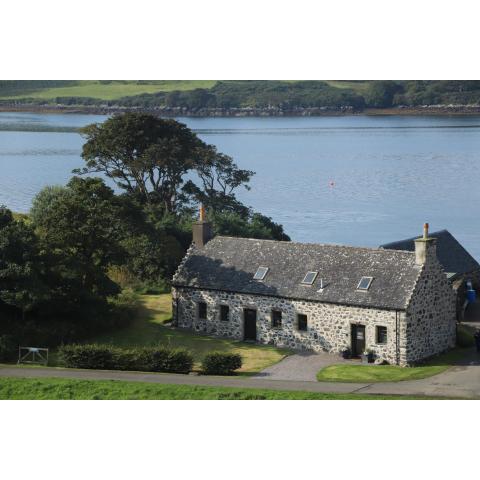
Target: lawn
(66, 389)
(388, 373)
(113, 90)
(375, 373)
(359, 86)
(149, 328)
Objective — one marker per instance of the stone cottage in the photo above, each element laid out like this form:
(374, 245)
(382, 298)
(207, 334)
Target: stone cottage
(459, 266)
(398, 304)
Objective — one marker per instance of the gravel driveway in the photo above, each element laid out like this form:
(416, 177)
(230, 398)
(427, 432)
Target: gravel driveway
(301, 367)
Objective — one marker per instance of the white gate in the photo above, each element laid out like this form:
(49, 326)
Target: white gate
(33, 355)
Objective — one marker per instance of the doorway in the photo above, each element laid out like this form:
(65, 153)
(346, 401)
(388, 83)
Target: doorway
(358, 340)
(250, 324)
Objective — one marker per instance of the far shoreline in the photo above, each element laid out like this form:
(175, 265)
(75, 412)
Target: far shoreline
(426, 110)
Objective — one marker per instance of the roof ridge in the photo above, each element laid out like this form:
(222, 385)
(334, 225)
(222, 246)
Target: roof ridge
(411, 239)
(335, 245)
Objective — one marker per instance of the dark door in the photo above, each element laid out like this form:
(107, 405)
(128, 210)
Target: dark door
(250, 327)
(358, 340)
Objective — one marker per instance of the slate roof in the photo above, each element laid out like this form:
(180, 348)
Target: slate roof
(229, 264)
(450, 253)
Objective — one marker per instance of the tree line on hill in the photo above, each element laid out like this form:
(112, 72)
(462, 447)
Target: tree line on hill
(68, 268)
(282, 95)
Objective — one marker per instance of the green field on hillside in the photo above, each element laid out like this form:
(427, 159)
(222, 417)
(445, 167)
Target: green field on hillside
(358, 86)
(108, 90)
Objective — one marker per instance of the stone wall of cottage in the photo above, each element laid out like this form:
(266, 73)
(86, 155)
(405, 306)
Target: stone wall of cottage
(328, 325)
(430, 323)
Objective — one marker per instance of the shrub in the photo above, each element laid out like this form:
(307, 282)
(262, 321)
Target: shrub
(147, 359)
(162, 359)
(221, 363)
(8, 348)
(88, 356)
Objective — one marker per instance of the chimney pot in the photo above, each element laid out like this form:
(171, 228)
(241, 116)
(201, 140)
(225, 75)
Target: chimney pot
(425, 247)
(425, 231)
(202, 213)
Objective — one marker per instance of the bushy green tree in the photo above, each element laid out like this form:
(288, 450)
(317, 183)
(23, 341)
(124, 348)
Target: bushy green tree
(254, 225)
(80, 235)
(20, 277)
(380, 94)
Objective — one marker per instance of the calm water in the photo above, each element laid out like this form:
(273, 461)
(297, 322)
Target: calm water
(351, 180)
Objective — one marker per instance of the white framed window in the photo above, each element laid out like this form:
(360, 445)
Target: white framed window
(309, 278)
(261, 273)
(364, 283)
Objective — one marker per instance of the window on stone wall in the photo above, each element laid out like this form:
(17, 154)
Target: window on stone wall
(276, 318)
(381, 334)
(224, 313)
(202, 310)
(302, 321)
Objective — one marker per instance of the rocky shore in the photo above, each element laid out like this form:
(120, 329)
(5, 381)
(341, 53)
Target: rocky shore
(243, 112)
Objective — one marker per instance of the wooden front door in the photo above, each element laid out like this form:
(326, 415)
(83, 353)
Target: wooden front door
(250, 324)
(358, 340)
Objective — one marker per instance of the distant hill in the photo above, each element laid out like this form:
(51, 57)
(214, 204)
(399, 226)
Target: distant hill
(259, 95)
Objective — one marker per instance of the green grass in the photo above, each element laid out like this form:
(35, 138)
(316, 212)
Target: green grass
(113, 90)
(388, 373)
(375, 373)
(148, 328)
(66, 389)
(359, 87)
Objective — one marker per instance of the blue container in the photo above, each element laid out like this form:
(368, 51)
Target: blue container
(471, 296)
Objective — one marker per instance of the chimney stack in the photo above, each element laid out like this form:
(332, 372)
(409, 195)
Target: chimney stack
(425, 247)
(202, 230)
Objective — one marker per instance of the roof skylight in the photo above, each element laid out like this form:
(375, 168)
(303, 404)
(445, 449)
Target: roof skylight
(309, 278)
(260, 273)
(364, 283)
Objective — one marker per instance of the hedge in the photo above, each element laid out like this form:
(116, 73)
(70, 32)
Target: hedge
(8, 348)
(221, 363)
(108, 357)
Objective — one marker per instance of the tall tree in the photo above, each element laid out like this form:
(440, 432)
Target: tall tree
(144, 155)
(219, 177)
(150, 157)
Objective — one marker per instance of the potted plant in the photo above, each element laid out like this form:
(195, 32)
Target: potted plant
(346, 353)
(364, 356)
(368, 356)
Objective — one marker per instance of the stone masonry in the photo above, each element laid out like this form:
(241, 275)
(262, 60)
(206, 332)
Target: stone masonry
(412, 299)
(328, 325)
(430, 323)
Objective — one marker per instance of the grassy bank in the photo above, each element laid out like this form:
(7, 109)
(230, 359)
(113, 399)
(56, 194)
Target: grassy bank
(63, 389)
(389, 373)
(375, 373)
(148, 329)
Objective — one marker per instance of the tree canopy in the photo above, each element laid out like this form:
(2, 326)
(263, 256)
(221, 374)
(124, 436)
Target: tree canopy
(83, 242)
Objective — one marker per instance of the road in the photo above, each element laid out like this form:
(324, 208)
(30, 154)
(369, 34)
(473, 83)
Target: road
(461, 381)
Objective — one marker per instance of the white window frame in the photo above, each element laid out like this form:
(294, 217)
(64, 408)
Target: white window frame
(264, 274)
(303, 282)
(370, 280)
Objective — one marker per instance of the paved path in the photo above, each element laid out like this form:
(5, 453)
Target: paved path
(177, 379)
(300, 366)
(462, 381)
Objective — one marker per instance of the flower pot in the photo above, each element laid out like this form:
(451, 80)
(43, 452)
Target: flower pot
(346, 354)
